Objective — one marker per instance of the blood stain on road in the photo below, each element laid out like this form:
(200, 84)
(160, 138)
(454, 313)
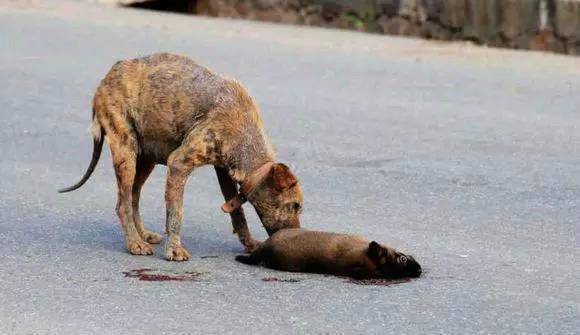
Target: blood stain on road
(378, 282)
(287, 280)
(146, 274)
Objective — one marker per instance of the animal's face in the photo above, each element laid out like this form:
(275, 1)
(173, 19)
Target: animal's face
(278, 200)
(391, 263)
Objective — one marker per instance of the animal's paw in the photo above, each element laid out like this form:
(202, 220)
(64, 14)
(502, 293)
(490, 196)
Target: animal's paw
(151, 237)
(139, 247)
(251, 246)
(176, 253)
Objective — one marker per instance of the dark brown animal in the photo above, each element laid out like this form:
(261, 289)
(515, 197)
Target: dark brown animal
(300, 250)
(166, 109)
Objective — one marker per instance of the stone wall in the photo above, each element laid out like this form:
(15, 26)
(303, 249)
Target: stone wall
(552, 25)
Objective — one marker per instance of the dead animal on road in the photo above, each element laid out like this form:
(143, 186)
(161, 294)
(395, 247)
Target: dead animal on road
(300, 250)
(166, 109)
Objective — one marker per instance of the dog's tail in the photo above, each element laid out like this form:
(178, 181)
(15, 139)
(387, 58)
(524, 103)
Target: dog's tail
(98, 138)
(261, 255)
(248, 259)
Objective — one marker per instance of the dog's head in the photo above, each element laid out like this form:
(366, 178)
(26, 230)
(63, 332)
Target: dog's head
(391, 263)
(278, 199)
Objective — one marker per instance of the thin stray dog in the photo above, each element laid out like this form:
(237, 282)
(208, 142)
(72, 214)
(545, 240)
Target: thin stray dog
(166, 109)
(301, 250)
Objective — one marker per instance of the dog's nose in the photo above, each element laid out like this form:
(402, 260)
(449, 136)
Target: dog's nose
(417, 271)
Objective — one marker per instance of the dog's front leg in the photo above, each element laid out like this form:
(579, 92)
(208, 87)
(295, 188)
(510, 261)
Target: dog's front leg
(229, 190)
(180, 164)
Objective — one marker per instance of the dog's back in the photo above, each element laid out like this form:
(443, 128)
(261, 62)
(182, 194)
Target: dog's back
(162, 97)
(314, 251)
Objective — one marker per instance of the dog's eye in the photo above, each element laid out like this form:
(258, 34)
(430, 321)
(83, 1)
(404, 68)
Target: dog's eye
(402, 260)
(293, 206)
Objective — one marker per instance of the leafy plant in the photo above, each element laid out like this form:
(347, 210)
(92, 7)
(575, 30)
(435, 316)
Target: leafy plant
(365, 23)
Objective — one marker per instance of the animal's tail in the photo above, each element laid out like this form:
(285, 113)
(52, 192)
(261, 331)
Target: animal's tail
(259, 255)
(250, 259)
(98, 139)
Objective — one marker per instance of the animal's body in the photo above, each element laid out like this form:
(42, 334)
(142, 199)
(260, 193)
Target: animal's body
(300, 250)
(167, 109)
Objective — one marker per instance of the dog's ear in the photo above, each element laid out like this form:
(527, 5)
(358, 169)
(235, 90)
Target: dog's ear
(375, 251)
(282, 177)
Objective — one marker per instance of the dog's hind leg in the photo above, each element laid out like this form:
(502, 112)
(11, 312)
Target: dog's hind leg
(124, 152)
(143, 170)
(229, 190)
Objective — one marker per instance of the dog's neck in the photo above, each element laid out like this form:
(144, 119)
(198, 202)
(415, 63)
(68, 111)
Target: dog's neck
(251, 154)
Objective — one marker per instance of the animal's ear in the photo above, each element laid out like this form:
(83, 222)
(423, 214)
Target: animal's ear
(374, 251)
(282, 177)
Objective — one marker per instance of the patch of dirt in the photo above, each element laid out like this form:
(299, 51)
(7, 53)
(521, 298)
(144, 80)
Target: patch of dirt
(284, 280)
(157, 275)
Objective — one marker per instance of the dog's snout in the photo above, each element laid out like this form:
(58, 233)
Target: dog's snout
(416, 270)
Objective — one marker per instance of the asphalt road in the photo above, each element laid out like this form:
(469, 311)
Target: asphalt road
(466, 157)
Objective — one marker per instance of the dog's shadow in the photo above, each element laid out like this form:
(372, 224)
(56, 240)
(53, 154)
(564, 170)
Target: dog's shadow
(102, 235)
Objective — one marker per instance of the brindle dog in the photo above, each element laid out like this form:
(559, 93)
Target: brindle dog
(166, 109)
(300, 250)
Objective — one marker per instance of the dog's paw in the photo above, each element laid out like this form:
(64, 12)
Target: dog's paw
(176, 253)
(251, 246)
(139, 247)
(151, 237)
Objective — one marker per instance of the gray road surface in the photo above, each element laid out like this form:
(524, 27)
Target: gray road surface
(466, 157)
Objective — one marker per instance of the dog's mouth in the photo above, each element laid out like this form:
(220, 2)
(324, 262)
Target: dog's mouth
(272, 225)
(416, 273)
(401, 273)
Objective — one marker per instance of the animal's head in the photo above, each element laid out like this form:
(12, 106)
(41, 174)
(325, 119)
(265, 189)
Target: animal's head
(391, 263)
(278, 199)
